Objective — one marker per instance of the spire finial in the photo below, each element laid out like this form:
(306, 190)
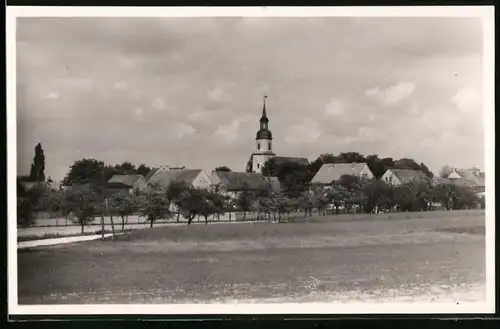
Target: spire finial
(264, 107)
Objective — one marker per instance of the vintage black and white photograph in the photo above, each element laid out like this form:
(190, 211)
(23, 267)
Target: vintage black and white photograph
(264, 160)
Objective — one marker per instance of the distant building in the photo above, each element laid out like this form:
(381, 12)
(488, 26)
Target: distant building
(264, 146)
(330, 172)
(472, 178)
(126, 184)
(404, 176)
(233, 183)
(196, 178)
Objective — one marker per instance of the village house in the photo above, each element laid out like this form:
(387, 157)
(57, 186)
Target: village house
(403, 176)
(233, 183)
(471, 178)
(165, 176)
(330, 172)
(126, 184)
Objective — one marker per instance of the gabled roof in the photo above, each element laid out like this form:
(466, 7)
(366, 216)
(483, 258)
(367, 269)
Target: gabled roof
(124, 180)
(238, 181)
(333, 171)
(278, 160)
(409, 175)
(165, 176)
(469, 176)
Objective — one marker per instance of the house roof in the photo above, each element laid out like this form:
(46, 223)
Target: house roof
(409, 175)
(166, 177)
(124, 180)
(278, 160)
(469, 176)
(330, 172)
(237, 181)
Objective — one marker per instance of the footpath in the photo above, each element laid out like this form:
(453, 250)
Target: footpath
(54, 241)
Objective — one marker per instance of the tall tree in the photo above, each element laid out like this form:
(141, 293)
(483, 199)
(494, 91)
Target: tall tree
(37, 173)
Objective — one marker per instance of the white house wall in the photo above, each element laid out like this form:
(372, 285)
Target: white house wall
(203, 180)
(366, 171)
(390, 178)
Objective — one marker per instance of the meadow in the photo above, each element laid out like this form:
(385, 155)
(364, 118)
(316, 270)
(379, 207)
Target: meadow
(433, 255)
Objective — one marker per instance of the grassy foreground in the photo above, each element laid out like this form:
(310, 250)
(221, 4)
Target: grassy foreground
(325, 259)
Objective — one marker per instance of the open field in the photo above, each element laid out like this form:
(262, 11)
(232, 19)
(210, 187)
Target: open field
(332, 258)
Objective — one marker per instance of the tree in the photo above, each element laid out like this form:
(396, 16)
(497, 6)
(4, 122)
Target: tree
(322, 199)
(196, 202)
(126, 168)
(249, 166)
(376, 165)
(38, 167)
(154, 206)
(143, 170)
(222, 168)
(294, 177)
(175, 193)
(445, 171)
(426, 170)
(124, 206)
(376, 194)
(338, 195)
(306, 202)
(84, 204)
(244, 201)
(88, 171)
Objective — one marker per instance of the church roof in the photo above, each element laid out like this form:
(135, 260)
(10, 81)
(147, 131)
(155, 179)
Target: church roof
(264, 134)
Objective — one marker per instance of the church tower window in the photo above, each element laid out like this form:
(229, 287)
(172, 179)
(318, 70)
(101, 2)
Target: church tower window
(258, 146)
(270, 146)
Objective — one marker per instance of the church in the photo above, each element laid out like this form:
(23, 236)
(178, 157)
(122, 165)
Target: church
(264, 147)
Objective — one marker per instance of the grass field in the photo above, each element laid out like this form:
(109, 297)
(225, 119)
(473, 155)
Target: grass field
(437, 257)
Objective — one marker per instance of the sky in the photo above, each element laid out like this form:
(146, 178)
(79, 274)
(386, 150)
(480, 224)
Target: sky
(188, 91)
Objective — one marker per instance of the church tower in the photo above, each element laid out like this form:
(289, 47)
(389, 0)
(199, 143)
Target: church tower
(264, 140)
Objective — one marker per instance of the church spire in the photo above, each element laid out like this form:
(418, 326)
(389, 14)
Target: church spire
(264, 115)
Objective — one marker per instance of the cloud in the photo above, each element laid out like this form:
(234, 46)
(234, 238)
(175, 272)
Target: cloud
(120, 85)
(52, 96)
(335, 107)
(307, 132)
(138, 112)
(393, 94)
(467, 99)
(218, 94)
(370, 134)
(158, 103)
(183, 130)
(228, 133)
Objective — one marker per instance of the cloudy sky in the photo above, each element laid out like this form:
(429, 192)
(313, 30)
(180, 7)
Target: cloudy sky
(188, 91)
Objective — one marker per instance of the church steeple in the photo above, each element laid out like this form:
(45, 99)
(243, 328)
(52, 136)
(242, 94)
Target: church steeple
(264, 132)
